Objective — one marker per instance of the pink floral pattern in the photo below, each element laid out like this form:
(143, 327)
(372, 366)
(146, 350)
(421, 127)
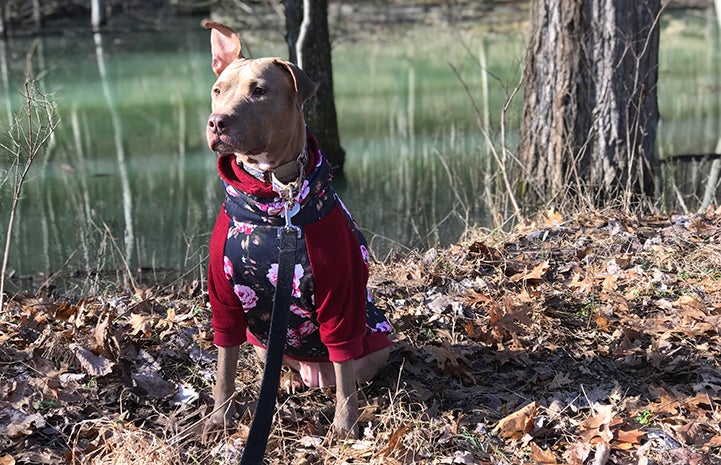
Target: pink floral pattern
(293, 338)
(232, 191)
(246, 295)
(228, 267)
(301, 312)
(365, 254)
(274, 208)
(308, 327)
(297, 275)
(240, 227)
(382, 327)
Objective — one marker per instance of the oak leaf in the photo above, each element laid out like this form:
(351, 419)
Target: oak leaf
(627, 440)
(142, 324)
(553, 218)
(535, 274)
(395, 440)
(519, 423)
(542, 456)
(597, 428)
(94, 365)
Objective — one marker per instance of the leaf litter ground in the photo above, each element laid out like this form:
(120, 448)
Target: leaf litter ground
(588, 341)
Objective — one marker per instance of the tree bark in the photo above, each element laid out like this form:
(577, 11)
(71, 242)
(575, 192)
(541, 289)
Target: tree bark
(590, 109)
(309, 47)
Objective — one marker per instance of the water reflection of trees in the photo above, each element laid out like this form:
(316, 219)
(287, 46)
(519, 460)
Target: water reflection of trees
(415, 175)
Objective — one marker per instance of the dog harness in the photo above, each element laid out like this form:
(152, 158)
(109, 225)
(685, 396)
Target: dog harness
(332, 316)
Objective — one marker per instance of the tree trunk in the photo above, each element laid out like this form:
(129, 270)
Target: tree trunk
(309, 47)
(37, 15)
(3, 31)
(590, 109)
(98, 16)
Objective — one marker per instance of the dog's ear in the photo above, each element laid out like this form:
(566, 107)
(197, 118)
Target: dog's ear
(224, 45)
(304, 87)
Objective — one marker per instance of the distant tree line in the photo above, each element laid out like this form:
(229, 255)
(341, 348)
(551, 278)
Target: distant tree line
(18, 17)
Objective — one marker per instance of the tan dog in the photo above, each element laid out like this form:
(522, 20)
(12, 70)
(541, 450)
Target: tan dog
(257, 118)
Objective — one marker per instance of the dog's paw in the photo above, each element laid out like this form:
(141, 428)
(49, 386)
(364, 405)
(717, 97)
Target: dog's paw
(291, 382)
(345, 428)
(220, 419)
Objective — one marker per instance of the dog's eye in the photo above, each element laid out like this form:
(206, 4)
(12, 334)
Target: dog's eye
(259, 91)
(216, 90)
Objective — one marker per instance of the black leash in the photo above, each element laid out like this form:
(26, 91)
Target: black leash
(257, 441)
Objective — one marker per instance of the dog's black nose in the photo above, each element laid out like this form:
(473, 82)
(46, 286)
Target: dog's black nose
(216, 123)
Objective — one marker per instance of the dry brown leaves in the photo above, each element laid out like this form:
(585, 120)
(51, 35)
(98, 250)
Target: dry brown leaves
(591, 340)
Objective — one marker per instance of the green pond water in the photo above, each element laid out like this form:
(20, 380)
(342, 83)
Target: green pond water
(127, 180)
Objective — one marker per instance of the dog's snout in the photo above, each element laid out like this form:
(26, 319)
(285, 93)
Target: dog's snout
(216, 123)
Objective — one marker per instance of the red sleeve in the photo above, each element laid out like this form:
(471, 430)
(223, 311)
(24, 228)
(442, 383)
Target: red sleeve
(340, 277)
(228, 316)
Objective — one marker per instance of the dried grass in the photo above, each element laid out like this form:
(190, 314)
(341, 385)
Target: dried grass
(107, 442)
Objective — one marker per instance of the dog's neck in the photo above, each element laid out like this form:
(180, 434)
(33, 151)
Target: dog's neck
(280, 157)
(285, 172)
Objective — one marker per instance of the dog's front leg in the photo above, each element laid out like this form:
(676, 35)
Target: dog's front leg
(346, 402)
(224, 389)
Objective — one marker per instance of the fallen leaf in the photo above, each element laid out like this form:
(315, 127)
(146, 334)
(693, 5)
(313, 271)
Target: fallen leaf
(153, 385)
(553, 218)
(395, 439)
(94, 365)
(473, 298)
(310, 441)
(21, 424)
(511, 316)
(560, 380)
(488, 254)
(517, 424)
(610, 283)
(597, 428)
(535, 274)
(686, 456)
(577, 453)
(65, 312)
(603, 451)
(627, 440)
(186, 395)
(542, 456)
(142, 324)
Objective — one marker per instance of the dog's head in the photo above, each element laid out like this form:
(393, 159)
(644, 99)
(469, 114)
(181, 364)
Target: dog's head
(257, 104)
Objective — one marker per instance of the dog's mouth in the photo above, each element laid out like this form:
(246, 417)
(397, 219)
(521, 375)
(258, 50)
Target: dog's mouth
(223, 148)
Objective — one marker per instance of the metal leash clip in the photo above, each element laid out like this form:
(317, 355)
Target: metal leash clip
(291, 209)
(288, 191)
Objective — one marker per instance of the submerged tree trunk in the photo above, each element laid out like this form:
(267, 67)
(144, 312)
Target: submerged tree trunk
(309, 47)
(590, 109)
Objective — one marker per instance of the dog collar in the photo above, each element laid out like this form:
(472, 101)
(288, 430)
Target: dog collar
(285, 173)
(289, 172)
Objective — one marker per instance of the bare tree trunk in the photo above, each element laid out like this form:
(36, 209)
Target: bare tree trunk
(97, 14)
(127, 196)
(309, 46)
(590, 109)
(3, 31)
(37, 15)
(5, 77)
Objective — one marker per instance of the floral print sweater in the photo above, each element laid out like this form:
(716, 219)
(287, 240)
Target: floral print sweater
(332, 316)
